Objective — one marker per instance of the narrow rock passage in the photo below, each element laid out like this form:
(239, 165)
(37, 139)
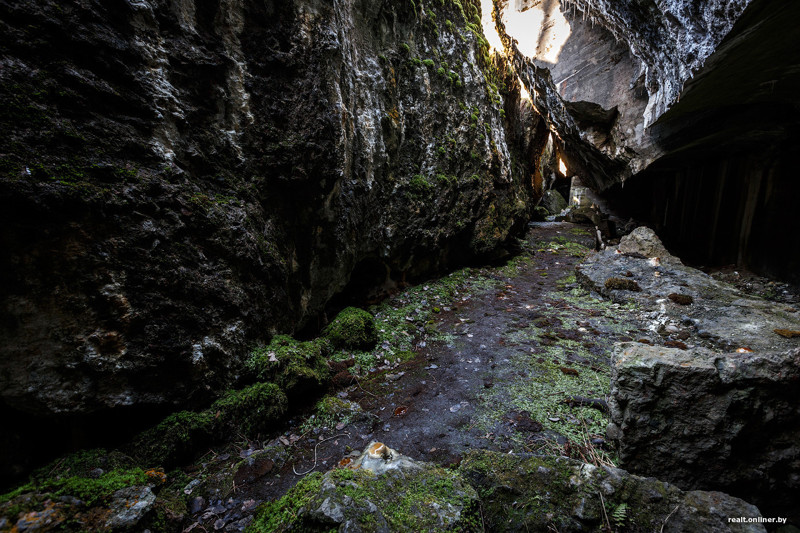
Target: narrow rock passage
(497, 353)
(514, 346)
(511, 358)
(486, 358)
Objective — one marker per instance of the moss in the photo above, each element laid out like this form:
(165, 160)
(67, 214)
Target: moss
(290, 363)
(581, 232)
(419, 186)
(82, 462)
(174, 438)
(181, 434)
(622, 284)
(428, 62)
(73, 475)
(276, 516)
(352, 328)
(251, 409)
(542, 394)
(331, 411)
(401, 318)
(407, 501)
(90, 490)
(519, 494)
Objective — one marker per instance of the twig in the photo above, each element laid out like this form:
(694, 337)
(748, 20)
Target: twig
(667, 518)
(296, 473)
(56, 467)
(603, 506)
(594, 403)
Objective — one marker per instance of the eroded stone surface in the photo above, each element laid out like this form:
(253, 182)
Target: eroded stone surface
(719, 316)
(129, 506)
(382, 491)
(706, 419)
(525, 492)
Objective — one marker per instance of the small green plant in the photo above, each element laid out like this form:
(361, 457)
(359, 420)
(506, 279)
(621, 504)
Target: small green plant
(428, 62)
(620, 514)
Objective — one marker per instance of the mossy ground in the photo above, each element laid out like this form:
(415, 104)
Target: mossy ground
(403, 501)
(78, 482)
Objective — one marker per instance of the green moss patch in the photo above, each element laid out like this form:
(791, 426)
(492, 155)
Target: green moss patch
(330, 412)
(409, 315)
(251, 410)
(352, 328)
(425, 499)
(291, 363)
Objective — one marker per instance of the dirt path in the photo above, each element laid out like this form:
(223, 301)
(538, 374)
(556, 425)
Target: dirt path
(484, 358)
(509, 354)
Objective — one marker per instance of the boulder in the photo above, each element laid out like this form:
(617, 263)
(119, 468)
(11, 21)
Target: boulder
(644, 241)
(535, 493)
(352, 328)
(553, 202)
(709, 420)
(129, 507)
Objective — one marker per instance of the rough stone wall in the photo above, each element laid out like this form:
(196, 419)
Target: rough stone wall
(709, 420)
(617, 68)
(181, 178)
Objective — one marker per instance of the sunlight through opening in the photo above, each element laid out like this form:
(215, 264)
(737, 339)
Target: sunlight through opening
(540, 29)
(489, 27)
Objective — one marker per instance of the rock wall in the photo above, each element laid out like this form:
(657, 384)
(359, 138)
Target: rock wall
(603, 72)
(182, 178)
(684, 112)
(726, 192)
(708, 420)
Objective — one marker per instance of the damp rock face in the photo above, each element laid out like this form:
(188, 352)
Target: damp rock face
(604, 72)
(710, 420)
(524, 492)
(385, 491)
(710, 405)
(180, 180)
